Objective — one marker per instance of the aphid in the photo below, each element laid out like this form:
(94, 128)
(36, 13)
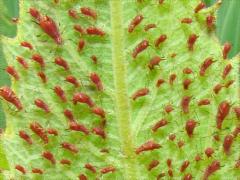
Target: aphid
(11, 97)
(38, 130)
(21, 169)
(204, 102)
(216, 137)
(209, 152)
(217, 88)
(236, 131)
(140, 93)
(237, 164)
(60, 93)
(15, 20)
(81, 44)
(161, 123)
(228, 83)
(184, 165)
(139, 48)
(187, 177)
(65, 162)
(78, 127)
(160, 1)
(191, 41)
(43, 77)
(92, 30)
(171, 137)
(73, 13)
(148, 146)
(159, 82)
(97, 81)
(99, 131)
(223, 111)
(104, 150)
(172, 78)
(180, 144)
(12, 71)
(226, 70)
(70, 147)
(68, 114)
(82, 98)
(56, 1)
(107, 169)
(168, 108)
(237, 112)
(135, 22)
(50, 28)
(199, 7)
(42, 105)
(169, 163)
(37, 171)
(82, 177)
(185, 104)
(89, 12)
(186, 83)
(226, 49)
(190, 126)
(94, 59)
(22, 62)
(198, 157)
(71, 79)
(79, 28)
(52, 131)
(154, 163)
(149, 26)
(154, 62)
(210, 19)
(227, 143)
(49, 156)
(26, 45)
(61, 62)
(90, 167)
(25, 137)
(99, 111)
(35, 13)
(160, 40)
(160, 176)
(39, 59)
(170, 172)
(186, 20)
(187, 71)
(173, 55)
(205, 65)
(212, 168)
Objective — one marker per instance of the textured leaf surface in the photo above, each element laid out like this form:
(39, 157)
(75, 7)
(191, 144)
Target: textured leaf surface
(129, 123)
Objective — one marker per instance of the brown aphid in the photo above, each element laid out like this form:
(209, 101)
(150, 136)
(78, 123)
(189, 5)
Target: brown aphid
(140, 93)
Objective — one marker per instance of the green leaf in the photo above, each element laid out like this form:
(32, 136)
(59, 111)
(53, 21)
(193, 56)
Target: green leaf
(129, 120)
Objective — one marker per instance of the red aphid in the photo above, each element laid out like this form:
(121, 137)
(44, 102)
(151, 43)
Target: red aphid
(187, 71)
(190, 126)
(186, 83)
(204, 102)
(94, 59)
(49, 27)
(65, 162)
(82, 98)
(73, 13)
(226, 70)
(199, 7)
(187, 177)
(185, 104)
(227, 143)
(78, 127)
(223, 111)
(160, 176)
(52, 131)
(35, 13)
(71, 79)
(191, 41)
(99, 112)
(154, 163)
(42, 105)
(148, 146)
(43, 77)
(237, 112)
(79, 28)
(92, 30)
(37, 171)
(69, 115)
(12, 71)
(21, 169)
(170, 172)
(61, 62)
(60, 93)
(11, 97)
(209, 152)
(160, 1)
(226, 49)
(71, 147)
(236, 131)
(135, 22)
(82, 177)
(216, 137)
(210, 20)
(99, 131)
(89, 12)
(90, 167)
(184, 165)
(180, 143)
(159, 124)
(25, 137)
(96, 80)
(205, 65)
(212, 168)
(169, 163)
(198, 157)
(39, 59)
(140, 93)
(49, 156)
(22, 62)
(160, 40)
(107, 169)
(168, 108)
(38, 130)
(228, 83)
(172, 137)
(154, 62)
(186, 20)
(26, 44)
(160, 82)
(139, 48)
(172, 78)
(81, 44)
(217, 88)
(149, 26)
